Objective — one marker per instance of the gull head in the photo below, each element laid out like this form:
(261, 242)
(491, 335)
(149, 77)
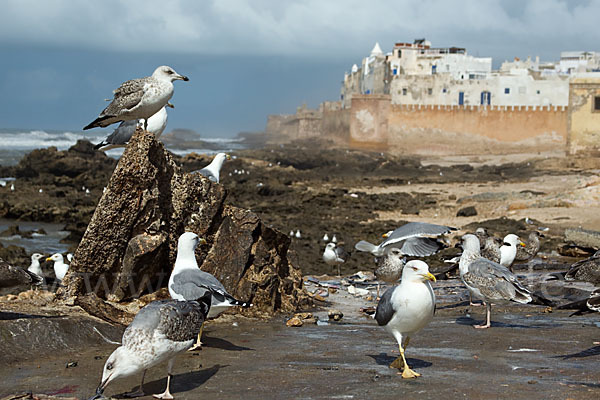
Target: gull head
(121, 363)
(387, 234)
(56, 258)
(188, 241)
(330, 246)
(220, 158)
(512, 240)
(167, 73)
(470, 243)
(36, 257)
(417, 271)
(395, 257)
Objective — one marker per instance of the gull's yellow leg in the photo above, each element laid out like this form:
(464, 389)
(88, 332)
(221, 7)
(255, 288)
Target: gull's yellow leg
(407, 373)
(198, 344)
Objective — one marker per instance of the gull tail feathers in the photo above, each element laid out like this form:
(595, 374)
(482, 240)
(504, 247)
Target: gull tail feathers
(363, 245)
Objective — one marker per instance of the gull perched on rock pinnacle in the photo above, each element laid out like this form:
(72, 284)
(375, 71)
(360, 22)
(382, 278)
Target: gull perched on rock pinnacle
(407, 308)
(122, 135)
(487, 280)
(60, 268)
(212, 170)
(411, 238)
(139, 98)
(159, 332)
(188, 281)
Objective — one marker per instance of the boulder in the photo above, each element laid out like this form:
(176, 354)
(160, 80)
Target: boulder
(130, 244)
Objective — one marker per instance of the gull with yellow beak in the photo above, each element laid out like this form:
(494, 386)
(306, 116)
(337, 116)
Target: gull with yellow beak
(406, 309)
(189, 282)
(212, 170)
(488, 280)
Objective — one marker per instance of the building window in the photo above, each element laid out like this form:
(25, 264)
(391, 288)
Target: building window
(444, 90)
(506, 90)
(395, 71)
(538, 92)
(404, 91)
(596, 103)
(430, 91)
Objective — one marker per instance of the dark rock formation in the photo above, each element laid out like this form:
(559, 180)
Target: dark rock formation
(468, 211)
(130, 245)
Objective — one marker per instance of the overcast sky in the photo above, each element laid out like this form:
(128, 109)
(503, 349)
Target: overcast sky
(246, 58)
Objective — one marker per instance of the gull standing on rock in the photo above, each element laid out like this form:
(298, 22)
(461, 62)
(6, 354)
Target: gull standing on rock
(411, 238)
(139, 98)
(325, 238)
(60, 268)
(407, 308)
(14, 276)
(487, 280)
(212, 170)
(122, 135)
(159, 332)
(35, 266)
(188, 281)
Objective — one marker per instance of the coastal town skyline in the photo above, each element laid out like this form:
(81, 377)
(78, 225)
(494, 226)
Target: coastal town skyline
(247, 60)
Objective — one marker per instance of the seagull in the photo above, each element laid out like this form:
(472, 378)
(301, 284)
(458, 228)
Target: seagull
(410, 238)
(587, 270)
(14, 276)
(188, 281)
(325, 238)
(390, 267)
(69, 257)
(35, 266)
(531, 248)
(487, 280)
(334, 239)
(334, 255)
(407, 308)
(139, 98)
(159, 332)
(60, 268)
(212, 170)
(298, 235)
(508, 250)
(122, 135)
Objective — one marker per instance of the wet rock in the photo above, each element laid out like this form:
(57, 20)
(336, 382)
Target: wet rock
(583, 237)
(130, 245)
(335, 315)
(469, 211)
(294, 322)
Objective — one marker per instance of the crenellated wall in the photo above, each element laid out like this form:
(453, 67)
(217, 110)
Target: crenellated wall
(375, 123)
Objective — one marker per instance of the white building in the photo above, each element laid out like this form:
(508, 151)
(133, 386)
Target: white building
(415, 73)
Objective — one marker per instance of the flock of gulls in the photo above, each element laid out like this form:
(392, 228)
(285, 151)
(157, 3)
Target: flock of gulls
(162, 329)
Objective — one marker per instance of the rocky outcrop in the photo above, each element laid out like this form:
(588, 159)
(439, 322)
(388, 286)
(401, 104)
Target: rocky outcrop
(130, 245)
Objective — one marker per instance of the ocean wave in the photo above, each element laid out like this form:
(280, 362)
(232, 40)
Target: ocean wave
(35, 139)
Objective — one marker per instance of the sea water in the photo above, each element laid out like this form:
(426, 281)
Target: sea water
(15, 143)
